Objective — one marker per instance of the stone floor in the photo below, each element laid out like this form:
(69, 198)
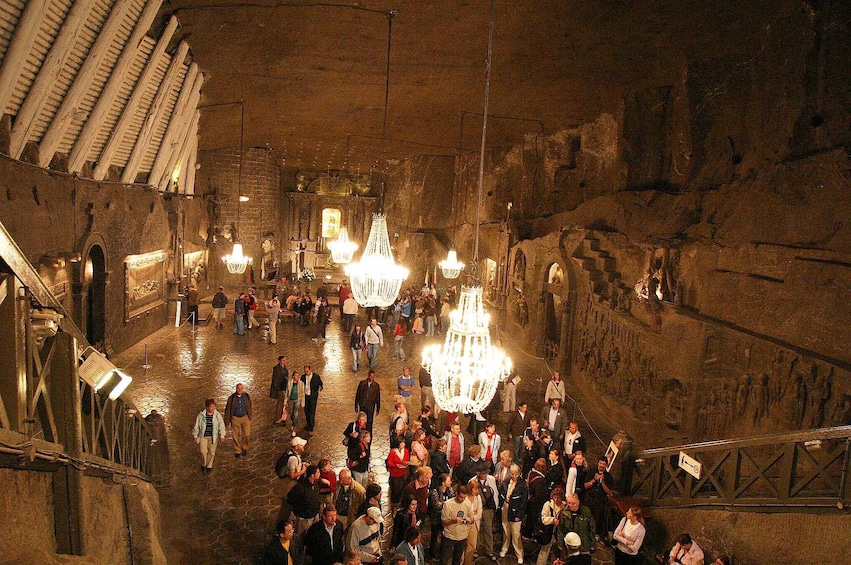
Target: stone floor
(229, 516)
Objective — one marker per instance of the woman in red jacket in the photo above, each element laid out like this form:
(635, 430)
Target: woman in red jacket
(397, 465)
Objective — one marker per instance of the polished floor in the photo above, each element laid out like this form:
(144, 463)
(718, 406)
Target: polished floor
(229, 515)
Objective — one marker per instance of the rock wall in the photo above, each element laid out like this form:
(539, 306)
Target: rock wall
(751, 538)
(727, 192)
(112, 513)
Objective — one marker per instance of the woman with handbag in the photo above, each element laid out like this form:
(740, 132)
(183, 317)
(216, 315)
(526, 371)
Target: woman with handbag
(629, 536)
(549, 521)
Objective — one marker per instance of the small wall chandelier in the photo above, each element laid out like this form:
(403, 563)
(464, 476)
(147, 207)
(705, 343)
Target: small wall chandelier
(451, 266)
(236, 261)
(342, 249)
(376, 278)
(466, 370)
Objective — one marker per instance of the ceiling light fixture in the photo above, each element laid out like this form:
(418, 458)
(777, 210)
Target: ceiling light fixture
(466, 370)
(451, 266)
(376, 278)
(236, 261)
(342, 249)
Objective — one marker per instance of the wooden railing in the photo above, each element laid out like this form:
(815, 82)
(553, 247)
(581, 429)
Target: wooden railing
(807, 470)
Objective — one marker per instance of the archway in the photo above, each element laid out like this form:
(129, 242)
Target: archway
(94, 277)
(554, 310)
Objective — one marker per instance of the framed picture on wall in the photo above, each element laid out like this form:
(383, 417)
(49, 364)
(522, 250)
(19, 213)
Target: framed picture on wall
(144, 283)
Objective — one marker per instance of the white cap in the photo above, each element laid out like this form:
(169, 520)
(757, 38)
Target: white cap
(572, 539)
(297, 440)
(375, 514)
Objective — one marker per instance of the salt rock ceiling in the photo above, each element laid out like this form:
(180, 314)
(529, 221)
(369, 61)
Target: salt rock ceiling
(312, 75)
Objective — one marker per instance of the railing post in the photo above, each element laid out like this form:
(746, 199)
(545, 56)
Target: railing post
(68, 480)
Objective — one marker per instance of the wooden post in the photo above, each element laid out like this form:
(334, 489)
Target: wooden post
(68, 480)
(181, 116)
(19, 48)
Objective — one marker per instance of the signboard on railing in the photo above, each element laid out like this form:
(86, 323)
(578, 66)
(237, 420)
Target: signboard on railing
(690, 465)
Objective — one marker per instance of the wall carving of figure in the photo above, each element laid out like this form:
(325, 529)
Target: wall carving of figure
(269, 270)
(519, 270)
(674, 404)
(521, 313)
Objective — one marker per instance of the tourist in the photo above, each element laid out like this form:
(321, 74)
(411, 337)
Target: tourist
(374, 339)
(455, 515)
(278, 389)
(239, 309)
(549, 522)
(348, 496)
(357, 457)
(439, 494)
(400, 330)
(357, 344)
(238, 419)
(294, 394)
(555, 389)
(412, 546)
(323, 541)
(273, 310)
(405, 517)
(577, 519)
(312, 387)
(208, 431)
(304, 499)
(368, 398)
(365, 536)
(513, 498)
(220, 302)
(629, 535)
(285, 548)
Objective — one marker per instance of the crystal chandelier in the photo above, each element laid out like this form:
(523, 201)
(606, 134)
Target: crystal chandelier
(467, 368)
(450, 266)
(342, 249)
(376, 278)
(236, 261)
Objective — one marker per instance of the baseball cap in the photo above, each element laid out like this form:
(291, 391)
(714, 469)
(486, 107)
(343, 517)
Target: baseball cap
(375, 514)
(297, 440)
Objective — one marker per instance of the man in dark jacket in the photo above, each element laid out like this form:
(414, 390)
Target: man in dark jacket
(286, 545)
(304, 499)
(368, 398)
(278, 388)
(439, 463)
(576, 518)
(324, 539)
(239, 310)
(220, 302)
(312, 387)
(238, 419)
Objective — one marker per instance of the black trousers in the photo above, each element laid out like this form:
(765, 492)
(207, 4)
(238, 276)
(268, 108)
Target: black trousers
(452, 551)
(310, 410)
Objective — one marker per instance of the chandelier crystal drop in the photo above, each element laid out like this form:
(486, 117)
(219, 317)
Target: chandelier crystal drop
(342, 249)
(376, 278)
(467, 368)
(450, 266)
(236, 261)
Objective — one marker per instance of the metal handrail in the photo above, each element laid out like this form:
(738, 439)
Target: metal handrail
(837, 432)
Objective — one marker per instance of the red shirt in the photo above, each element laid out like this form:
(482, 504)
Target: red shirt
(454, 451)
(398, 465)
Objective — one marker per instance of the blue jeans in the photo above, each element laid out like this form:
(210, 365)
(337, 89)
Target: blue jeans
(372, 354)
(240, 326)
(356, 355)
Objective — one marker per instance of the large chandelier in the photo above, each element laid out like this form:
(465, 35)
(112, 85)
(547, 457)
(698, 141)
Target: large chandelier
(466, 370)
(236, 261)
(342, 249)
(376, 278)
(450, 266)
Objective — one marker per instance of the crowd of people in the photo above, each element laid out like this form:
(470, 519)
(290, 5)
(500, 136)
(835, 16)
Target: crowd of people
(528, 481)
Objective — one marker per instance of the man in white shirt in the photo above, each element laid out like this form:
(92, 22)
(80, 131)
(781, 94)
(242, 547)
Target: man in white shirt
(573, 442)
(685, 552)
(456, 515)
(374, 339)
(365, 536)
